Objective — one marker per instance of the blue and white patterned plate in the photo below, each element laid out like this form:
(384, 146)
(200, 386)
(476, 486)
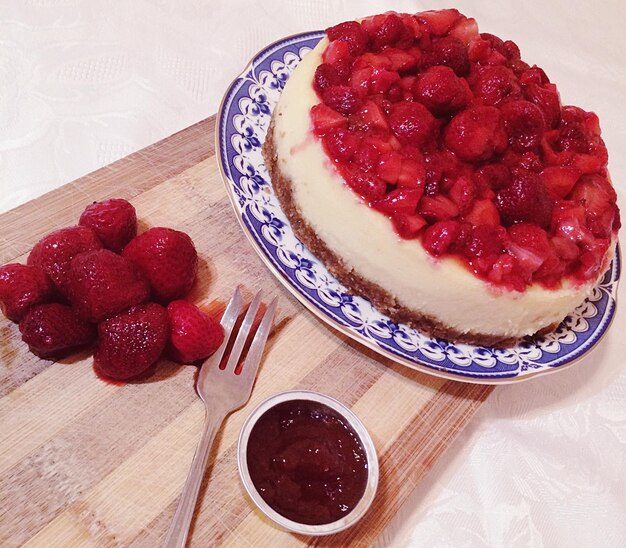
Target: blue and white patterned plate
(243, 121)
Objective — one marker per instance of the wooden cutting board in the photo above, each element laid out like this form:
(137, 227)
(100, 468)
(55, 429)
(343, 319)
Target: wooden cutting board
(84, 462)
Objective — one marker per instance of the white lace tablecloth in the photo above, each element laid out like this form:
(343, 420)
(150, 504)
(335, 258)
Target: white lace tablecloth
(83, 83)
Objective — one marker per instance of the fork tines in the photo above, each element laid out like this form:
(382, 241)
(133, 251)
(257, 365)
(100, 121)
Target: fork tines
(255, 350)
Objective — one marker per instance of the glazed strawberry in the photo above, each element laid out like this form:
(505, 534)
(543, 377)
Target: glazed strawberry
(52, 330)
(476, 134)
(194, 335)
(101, 284)
(131, 342)
(495, 84)
(343, 99)
(524, 124)
(340, 144)
(412, 123)
(54, 251)
(114, 221)
(326, 76)
(560, 180)
(21, 288)
(441, 236)
(168, 260)
(525, 199)
(350, 32)
(529, 244)
(546, 97)
(450, 52)
(483, 247)
(367, 185)
(441, 91)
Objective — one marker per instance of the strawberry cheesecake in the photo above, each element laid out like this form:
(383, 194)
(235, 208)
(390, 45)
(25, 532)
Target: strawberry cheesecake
(437, 174)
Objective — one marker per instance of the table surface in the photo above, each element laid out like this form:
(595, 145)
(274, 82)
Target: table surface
(85, 83)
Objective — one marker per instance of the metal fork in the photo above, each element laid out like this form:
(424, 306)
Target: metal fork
(222, 392)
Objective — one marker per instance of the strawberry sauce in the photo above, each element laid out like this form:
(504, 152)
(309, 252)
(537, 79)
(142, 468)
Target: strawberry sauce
(306, 462)
(466, 148)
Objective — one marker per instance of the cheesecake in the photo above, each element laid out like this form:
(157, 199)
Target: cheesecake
(437, 174)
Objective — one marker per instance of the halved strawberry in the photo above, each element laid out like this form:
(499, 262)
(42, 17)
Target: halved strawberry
(372, 116)
(389, 166)
(401, 200)
(465, 30)
(337, 52)
(401, 61)
(408, 226)
(483, 212)
(440, 21)
(412, 173)
(382, 79)
(463, 192)
(560, 180)
(437, 208)
(360, 79)
(325, 118)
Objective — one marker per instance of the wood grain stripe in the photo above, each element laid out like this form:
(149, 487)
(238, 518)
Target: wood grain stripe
(88, 463)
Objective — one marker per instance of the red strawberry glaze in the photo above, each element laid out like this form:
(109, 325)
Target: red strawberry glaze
(466, 148)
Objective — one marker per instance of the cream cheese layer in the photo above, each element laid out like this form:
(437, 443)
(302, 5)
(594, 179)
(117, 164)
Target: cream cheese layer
(442, 289)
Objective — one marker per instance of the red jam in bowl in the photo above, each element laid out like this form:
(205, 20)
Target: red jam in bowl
(307, 462)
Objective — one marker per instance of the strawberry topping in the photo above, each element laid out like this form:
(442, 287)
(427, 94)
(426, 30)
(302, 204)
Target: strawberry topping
(466, 147)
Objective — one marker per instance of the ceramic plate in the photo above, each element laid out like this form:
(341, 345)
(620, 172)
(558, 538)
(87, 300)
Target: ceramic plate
(243, 121)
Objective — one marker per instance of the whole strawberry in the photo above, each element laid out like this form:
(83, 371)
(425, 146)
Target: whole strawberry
(21, 288)
(193, 334)
(101, 284)
(54, 251)
(131, 342)
(114, 221)
(52, 330)
(167, 258)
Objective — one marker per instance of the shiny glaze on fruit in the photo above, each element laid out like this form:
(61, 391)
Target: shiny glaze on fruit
(466, 147)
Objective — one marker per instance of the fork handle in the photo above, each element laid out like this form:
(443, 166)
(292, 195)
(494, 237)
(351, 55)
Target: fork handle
(179, 529)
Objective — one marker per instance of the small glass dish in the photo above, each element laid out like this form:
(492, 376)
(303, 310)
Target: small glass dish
(354, 424)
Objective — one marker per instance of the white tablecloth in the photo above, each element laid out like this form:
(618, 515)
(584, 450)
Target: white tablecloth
(83, 83)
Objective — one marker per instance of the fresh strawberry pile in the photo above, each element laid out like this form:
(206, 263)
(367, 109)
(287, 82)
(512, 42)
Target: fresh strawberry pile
(466, 147)
(100, 281)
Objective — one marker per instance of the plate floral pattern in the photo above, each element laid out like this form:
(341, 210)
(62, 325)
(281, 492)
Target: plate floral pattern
(242, 125)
